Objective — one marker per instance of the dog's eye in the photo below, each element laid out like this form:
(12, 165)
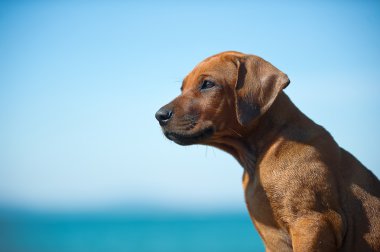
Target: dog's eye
(206, 84)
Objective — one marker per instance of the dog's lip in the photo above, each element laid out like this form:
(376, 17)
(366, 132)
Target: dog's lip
(193, 138)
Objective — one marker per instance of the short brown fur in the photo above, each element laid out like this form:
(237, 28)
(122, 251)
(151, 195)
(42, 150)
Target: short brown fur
(303, 192)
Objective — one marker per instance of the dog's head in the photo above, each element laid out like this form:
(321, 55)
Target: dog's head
(222, 96)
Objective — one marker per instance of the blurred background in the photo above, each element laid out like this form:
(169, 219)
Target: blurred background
(83, 163)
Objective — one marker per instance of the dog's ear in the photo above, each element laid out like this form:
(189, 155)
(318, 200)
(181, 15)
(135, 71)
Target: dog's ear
(257, 86)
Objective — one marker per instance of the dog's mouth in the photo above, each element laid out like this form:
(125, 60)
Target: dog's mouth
(188, 139)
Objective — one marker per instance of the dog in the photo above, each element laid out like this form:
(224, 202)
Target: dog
(303, 192)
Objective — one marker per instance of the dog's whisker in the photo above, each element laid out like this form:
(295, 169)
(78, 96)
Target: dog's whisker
(234, 131)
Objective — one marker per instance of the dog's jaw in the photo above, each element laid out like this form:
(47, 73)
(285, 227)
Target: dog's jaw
(185, 138)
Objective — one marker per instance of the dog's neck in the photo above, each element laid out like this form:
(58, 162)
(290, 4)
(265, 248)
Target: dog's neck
(248, 148)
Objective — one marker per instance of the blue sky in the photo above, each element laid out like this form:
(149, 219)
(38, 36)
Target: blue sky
(80, 82)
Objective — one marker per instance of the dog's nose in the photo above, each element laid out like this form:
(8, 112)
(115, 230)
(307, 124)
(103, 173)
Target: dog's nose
(163, 115)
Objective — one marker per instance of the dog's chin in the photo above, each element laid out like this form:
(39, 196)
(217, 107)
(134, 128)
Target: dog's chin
(197, 137)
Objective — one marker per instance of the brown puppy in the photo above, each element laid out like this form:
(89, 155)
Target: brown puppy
(303, 192)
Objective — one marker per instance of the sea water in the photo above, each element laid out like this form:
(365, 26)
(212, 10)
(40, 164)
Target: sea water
(110, 233)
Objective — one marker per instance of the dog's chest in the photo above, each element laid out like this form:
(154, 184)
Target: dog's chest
(263, 216)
